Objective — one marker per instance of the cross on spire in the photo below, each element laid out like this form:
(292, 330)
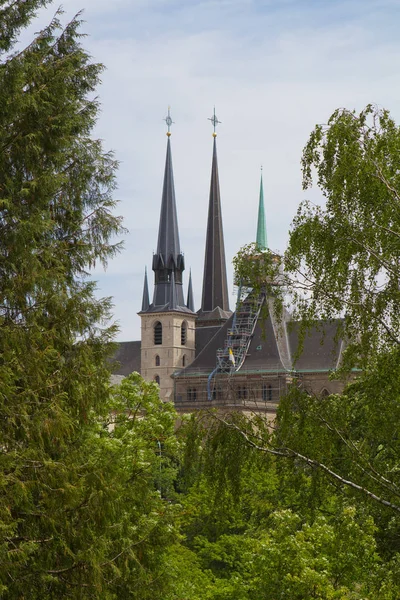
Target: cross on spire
(215, 122)
(169, 122)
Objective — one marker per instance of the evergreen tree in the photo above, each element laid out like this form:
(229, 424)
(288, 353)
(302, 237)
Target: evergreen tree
(79, 510)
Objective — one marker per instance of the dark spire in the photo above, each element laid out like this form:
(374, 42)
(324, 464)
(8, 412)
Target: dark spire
(168, 234)
(145, 300)
(168, 262)
(190, 300)
(215, 287)
(168, 258)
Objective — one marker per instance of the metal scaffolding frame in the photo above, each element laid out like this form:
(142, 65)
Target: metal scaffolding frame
(257, 391)
(231, 357)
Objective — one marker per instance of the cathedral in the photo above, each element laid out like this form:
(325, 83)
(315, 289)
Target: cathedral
(216, 357)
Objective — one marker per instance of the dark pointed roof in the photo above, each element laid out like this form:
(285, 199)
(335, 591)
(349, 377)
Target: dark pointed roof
(168, 235)
(145, 299)
(190, 299)
(215, 286)
(168, 261)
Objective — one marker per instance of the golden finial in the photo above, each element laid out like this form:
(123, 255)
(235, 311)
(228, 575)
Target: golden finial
(169, 122)
(215, 122)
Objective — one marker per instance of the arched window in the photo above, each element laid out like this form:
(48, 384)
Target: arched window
(184, 360)
(324, 393)
(158, 334)
(157, 379)
(266, 392)
(157, 361)
(242, 392)
(183, 333)
(191, 394)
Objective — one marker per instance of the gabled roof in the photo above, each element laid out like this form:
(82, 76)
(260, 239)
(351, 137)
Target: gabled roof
(320, 350)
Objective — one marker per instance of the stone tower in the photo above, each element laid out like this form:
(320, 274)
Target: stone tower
(168, 324)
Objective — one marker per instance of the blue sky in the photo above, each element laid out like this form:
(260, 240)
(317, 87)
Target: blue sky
(273, 69)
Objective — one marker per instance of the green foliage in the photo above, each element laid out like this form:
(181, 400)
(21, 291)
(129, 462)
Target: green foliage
(251, 544)
(347, 252)
(13, 17)
(89, 521)
(351, 441)
(82, 494)
(99, 497)
(343, 257)
(292, 530)
(258, 268)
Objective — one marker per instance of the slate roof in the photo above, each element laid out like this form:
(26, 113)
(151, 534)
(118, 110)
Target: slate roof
(263, 353)
(128, 357)
(321, 350)
(215, 286)
(168, 233)
(168, 261)
(203, 335)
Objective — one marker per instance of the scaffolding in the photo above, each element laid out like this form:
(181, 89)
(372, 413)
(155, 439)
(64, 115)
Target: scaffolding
(231, 385)
(249, 391)
(231, 358)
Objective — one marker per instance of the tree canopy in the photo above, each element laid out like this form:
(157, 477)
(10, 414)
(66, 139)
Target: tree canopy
(342, 261)
(100, 496)
(343, 254)
(347, 251)
(80, 506)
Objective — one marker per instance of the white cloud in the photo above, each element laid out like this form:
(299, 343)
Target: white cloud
(273, 70)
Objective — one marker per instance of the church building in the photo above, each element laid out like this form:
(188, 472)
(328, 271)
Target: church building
(216, 357)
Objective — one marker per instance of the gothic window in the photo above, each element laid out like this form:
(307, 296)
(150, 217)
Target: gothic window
(157, 360)
(184, 360)
(191, 394)
(242, 392)
(158, 334)
(157, 379)
(266, 392)
(183, 333)
(324, 393)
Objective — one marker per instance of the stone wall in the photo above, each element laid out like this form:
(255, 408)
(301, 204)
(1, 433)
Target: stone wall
(170, 352)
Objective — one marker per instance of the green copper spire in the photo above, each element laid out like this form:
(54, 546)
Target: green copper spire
(261, 239)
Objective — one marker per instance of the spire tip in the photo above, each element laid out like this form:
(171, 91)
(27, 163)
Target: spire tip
(214, 120)
(169, 122)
